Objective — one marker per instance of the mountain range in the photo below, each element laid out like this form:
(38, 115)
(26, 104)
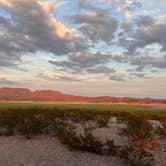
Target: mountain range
(24, 94)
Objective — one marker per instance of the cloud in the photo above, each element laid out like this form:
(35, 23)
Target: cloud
(125, 28)
(57, 78)
(100, 69)
(86, 5)
(33, 27)
(39, 11)
(132, 4)
(89, 59)
(145, 21)
(155, 62)
(116, 78)
(4, 82)
(127, 15)
(68, 79)
(137, 75)
(124, 7)
(96, 26)
(83, 61)
(148, 31)
(149, 34)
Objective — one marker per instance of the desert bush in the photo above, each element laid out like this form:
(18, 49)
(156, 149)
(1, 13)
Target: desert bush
(60, 121)
(138, 128)
(102, 121)
(142, 144)
(111, 148)
(90, 143)
(66, 132)
(83, 142)
(86, 142)
(30, 126)
(136, 158)
(161, 130)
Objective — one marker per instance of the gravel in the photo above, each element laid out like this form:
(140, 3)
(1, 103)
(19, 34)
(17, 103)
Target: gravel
(47, 151)
(111, 132)
(160, 156)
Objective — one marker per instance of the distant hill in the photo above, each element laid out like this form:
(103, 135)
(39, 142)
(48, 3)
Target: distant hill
(23, 94)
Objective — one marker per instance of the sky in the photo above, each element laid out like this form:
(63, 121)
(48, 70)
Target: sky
(84, 47)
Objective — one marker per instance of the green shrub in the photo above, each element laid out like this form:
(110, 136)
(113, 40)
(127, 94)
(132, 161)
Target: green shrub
(136, 158)
(30, 126)
(102, 121)
(111, 149)
(90, 143)
(142, 145)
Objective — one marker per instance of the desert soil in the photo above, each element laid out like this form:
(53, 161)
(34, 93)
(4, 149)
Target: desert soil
(47, 151)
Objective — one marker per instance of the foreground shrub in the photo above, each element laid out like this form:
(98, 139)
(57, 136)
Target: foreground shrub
(161, 130)
(83, 142)
(30, 126)
(136, 158)
(90, 143)
(102, 121)
(141, 147)
(142, 143)
(87, 142)
(111, 148)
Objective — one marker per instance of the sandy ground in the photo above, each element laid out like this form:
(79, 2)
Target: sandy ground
(160, 156)
(47, 151)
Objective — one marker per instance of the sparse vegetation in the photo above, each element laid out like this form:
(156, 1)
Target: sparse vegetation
(60, 120)
(143, 143)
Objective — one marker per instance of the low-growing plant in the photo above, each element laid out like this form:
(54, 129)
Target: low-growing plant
(142, 145)
(102, 121)
(30, 126)
(111, 148)
(90, 143)
(60, 120)
(66, 132)
(138, 128)
(86, 142)
(136, 157)
(161, 131)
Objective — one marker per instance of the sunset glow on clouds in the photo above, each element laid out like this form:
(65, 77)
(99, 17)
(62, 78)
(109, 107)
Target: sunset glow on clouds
(100, 47)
